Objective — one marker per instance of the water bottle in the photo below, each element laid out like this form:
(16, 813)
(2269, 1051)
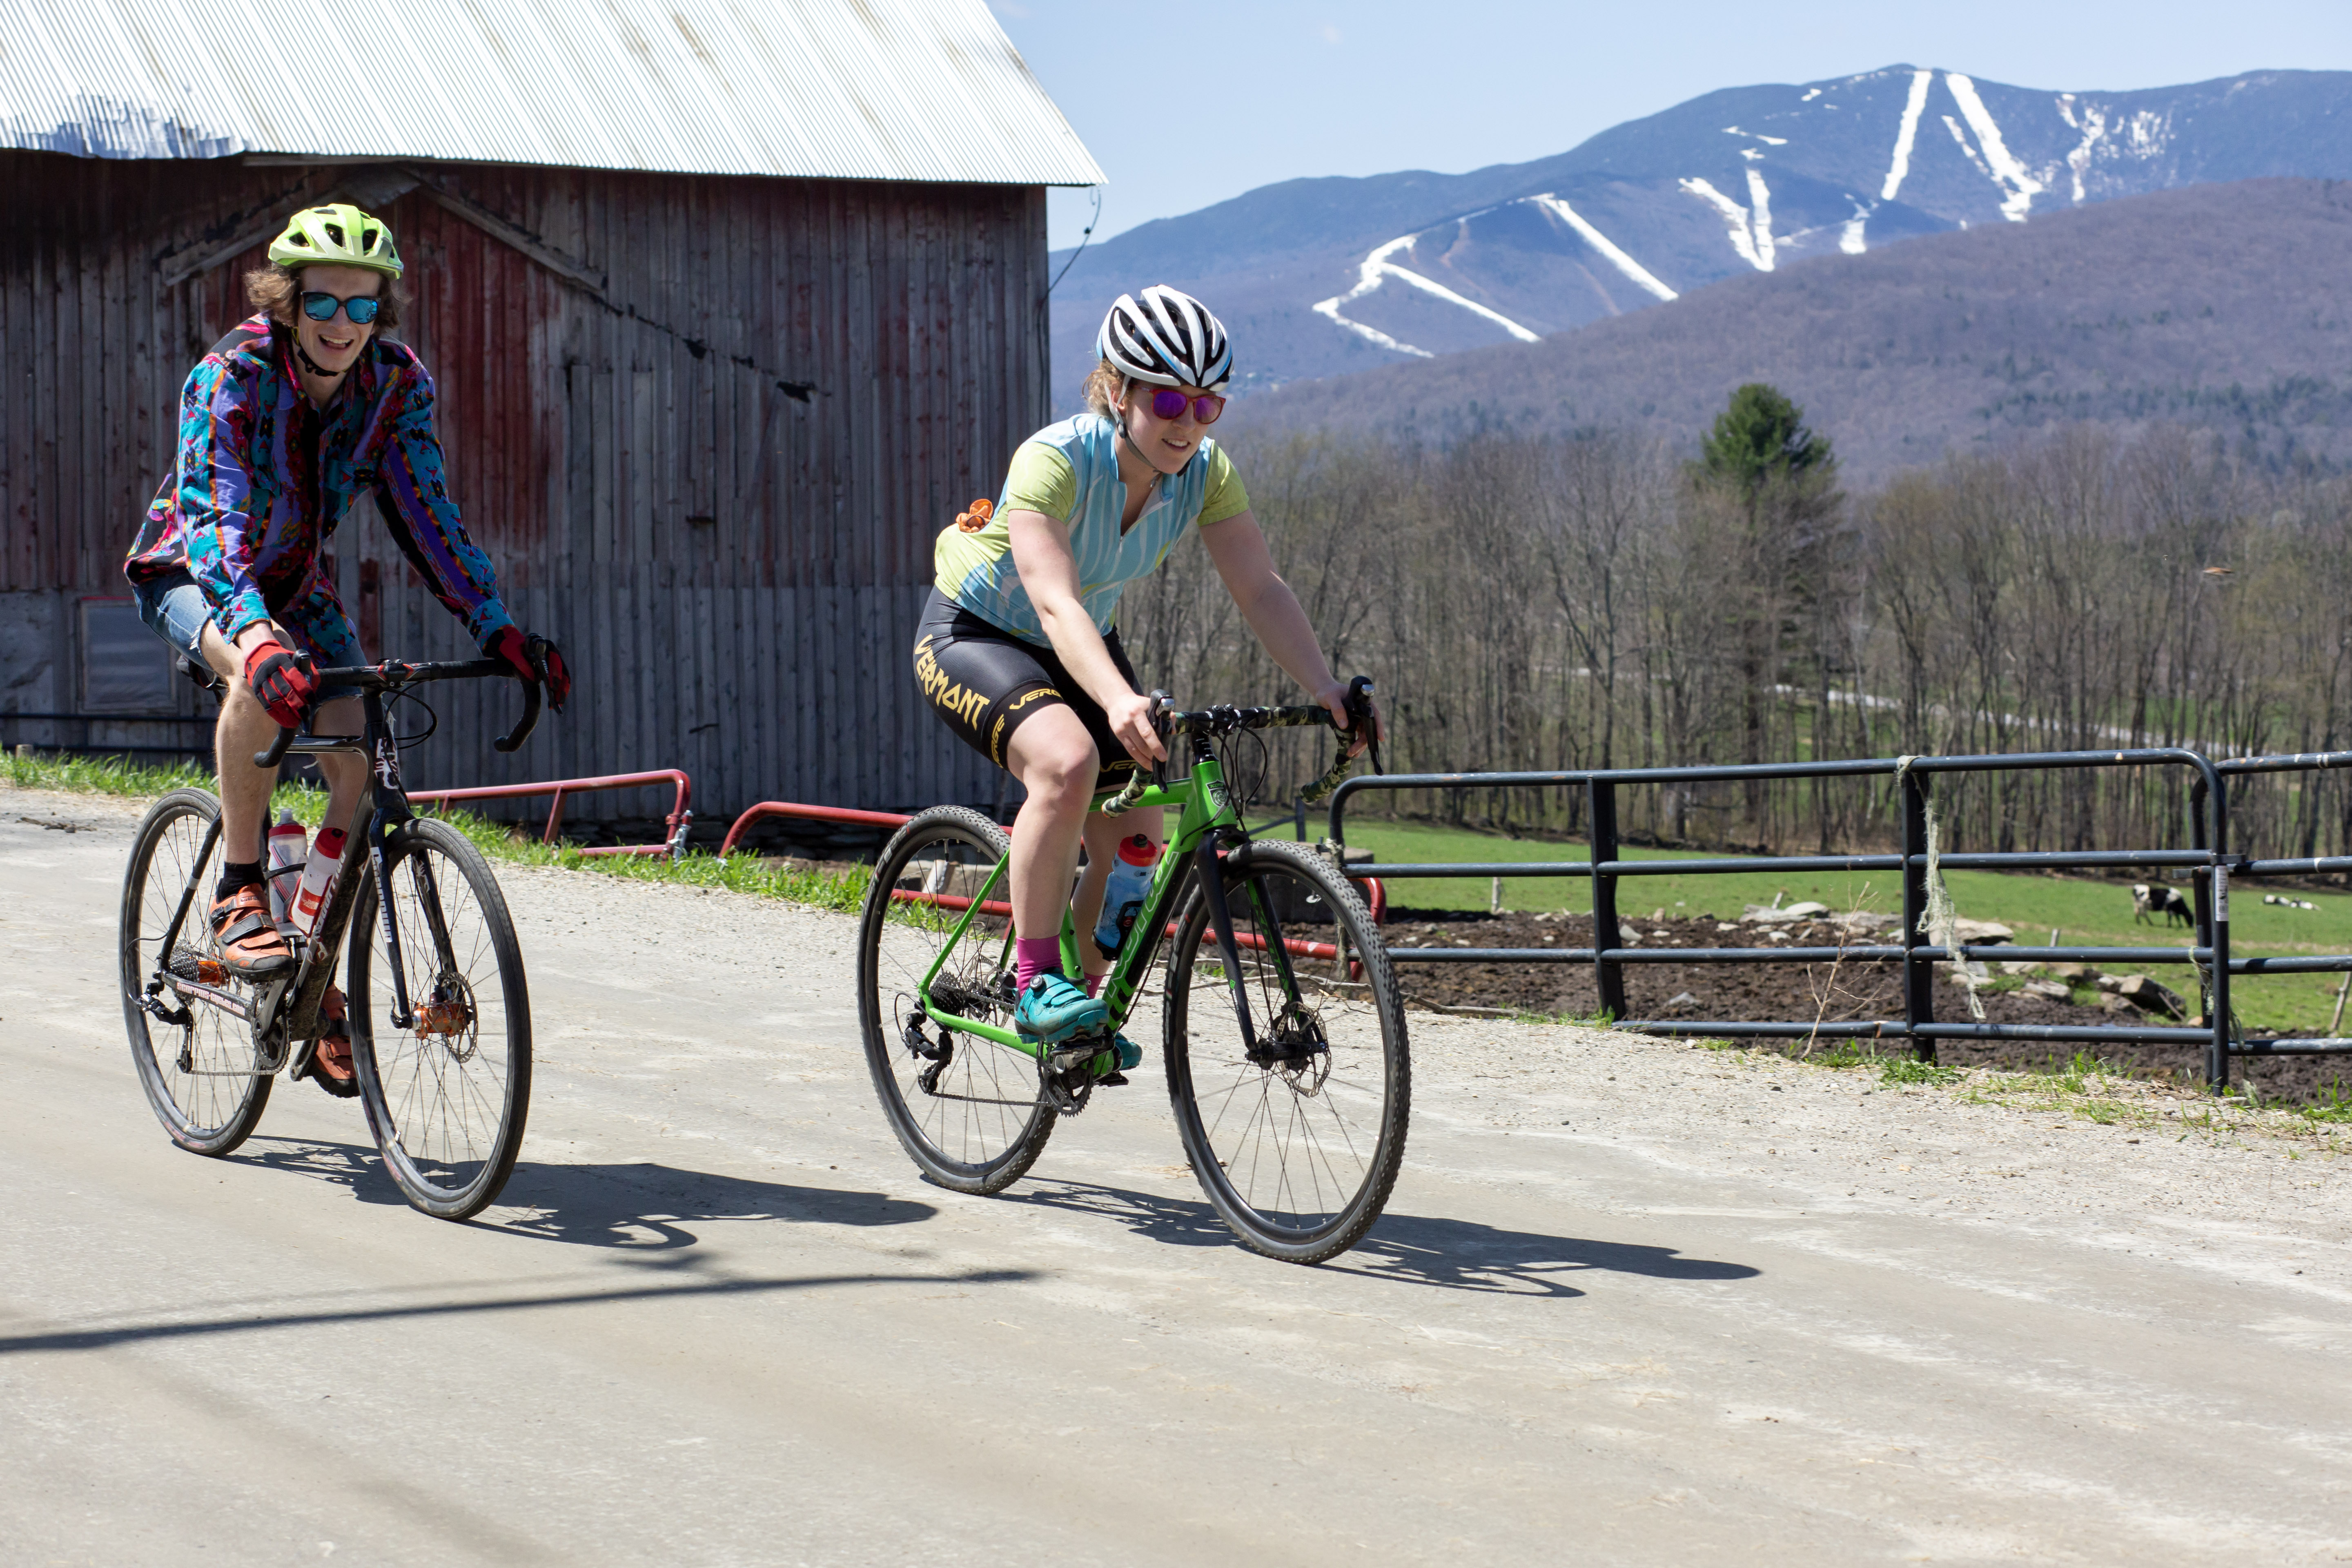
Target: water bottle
(318, 877)
(1131, 876)
(288, 846)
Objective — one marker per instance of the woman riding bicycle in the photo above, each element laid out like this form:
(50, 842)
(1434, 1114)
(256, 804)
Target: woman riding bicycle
(281, 426)
(1018, 652)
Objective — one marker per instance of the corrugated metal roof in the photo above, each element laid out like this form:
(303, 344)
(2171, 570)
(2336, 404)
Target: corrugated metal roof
(893, 90)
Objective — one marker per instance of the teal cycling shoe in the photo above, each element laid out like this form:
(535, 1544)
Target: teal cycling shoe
(1053, 1010)
(1131, 1055)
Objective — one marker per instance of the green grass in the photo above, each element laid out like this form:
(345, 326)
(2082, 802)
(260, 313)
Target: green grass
(498, 841)
(2084, 913)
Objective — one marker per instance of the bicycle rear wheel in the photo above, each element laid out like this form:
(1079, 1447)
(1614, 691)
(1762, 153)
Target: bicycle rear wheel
(1298, 1147)
(971, 1113)
(447, 1095)
(197, 1064)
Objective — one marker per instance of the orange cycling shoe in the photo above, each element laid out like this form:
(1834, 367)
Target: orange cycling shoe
(331, 1058)
(251, 944)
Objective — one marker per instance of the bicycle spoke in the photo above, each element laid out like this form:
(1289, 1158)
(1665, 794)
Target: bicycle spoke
(1298, 1146)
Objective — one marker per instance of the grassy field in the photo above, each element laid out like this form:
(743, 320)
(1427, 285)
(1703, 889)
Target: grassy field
(2082, 912)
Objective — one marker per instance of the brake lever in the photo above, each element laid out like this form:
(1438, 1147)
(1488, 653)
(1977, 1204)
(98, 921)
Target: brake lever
(1160, 727)
(1359, 709)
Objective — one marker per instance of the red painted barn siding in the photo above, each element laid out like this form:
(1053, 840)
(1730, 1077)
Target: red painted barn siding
(766, 649)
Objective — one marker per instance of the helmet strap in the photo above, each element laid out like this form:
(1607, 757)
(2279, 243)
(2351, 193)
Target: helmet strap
(313, 366)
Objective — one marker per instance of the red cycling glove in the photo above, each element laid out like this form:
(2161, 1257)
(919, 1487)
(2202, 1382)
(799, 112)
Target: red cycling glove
(533, 659)
(283, 681)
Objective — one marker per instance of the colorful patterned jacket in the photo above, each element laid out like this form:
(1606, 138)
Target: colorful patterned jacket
(262, 478)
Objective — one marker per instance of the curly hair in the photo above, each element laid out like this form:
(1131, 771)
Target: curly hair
(277, 289)
(1104, 384)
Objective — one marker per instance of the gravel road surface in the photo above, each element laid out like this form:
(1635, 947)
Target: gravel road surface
(1633, 1302)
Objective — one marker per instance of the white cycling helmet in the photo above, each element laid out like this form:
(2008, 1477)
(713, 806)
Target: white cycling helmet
(1168, 339)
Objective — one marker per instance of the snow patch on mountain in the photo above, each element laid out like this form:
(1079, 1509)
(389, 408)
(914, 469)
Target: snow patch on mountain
(1735, 222)
(1638, 274)
(1377, 270)
(2011, 174)
(1906, 134)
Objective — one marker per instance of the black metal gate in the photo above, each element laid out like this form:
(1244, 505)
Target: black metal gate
(2207, 858)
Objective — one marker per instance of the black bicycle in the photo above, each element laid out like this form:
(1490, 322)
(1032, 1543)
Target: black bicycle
(439, 1013)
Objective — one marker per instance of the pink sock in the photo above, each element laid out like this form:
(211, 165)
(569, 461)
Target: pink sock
(1033, 957)
(1094, 984)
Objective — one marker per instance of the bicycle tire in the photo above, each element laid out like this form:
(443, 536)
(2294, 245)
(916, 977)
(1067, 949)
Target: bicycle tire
(1298, 1157)
(200, 1085)
(447, 1098)
(983, 1119)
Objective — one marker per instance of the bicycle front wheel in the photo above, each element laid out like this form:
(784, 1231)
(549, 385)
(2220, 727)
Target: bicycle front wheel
(971, 1114)
(196, 1062)
(1298, 1142)
(446, 1092)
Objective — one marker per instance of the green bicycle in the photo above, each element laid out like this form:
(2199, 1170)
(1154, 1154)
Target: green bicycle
(1284, 1037)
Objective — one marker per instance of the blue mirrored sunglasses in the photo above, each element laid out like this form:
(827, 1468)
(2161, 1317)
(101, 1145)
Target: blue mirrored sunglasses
(360, 309)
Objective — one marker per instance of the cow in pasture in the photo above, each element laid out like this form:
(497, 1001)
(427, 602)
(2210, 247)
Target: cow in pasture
(2149, 901)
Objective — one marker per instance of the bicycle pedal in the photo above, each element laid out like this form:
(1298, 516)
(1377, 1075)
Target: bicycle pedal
(1072, 1055)
(1112, 1080)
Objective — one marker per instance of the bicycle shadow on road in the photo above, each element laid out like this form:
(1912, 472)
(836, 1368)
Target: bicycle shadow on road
(643, 1206)
(1412, 1249)
(639, 1206)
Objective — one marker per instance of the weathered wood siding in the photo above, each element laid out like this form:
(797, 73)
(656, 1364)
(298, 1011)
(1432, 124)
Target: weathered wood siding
(734, 572)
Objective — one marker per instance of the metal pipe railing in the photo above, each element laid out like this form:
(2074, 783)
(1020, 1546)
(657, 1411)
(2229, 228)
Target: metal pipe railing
(676, 823)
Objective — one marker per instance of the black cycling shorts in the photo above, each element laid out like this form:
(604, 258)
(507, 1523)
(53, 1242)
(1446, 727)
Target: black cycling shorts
(984, 683)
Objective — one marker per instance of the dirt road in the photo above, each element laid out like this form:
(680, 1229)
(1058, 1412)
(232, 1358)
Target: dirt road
(1632, 1304)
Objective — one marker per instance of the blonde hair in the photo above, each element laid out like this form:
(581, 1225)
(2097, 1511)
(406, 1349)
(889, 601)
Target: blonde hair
(1101, 391)
(277, 289)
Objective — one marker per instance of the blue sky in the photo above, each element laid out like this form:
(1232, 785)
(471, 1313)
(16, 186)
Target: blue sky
(1187, 102)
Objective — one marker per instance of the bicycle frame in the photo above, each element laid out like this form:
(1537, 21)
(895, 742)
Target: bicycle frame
(377, 816)
(1205, 815)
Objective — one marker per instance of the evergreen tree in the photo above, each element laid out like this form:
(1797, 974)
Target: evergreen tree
(1759, 437)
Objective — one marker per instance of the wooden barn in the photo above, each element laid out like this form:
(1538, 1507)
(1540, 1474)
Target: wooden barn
(732, 304)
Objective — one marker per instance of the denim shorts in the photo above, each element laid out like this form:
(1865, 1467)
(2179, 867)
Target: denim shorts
(176, 610)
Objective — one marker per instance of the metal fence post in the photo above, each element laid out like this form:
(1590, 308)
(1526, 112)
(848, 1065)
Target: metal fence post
(1918, 973)
(1608, 976)
(2212, 884)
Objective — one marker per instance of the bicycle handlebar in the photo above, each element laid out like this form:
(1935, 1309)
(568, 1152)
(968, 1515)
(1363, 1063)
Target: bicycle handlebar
(1222, 719)
(392, 675)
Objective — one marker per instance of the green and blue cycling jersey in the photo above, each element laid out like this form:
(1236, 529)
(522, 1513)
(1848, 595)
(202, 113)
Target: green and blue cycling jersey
(1070, 471)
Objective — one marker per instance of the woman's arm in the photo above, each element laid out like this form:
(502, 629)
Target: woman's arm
(1049, 572)
(1237, 546)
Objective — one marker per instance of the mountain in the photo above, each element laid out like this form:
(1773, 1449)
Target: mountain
(1324, 276)
(2226, 307)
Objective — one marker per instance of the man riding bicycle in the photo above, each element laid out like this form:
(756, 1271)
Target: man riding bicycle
(1018, 652)
(281, 426)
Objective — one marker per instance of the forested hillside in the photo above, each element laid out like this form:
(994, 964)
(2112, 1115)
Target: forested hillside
(2223, 308)
(1569, 601)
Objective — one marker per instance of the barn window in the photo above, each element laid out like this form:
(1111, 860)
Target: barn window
(125, 667)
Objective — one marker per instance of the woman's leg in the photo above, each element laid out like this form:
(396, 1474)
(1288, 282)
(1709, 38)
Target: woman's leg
(1056, 761)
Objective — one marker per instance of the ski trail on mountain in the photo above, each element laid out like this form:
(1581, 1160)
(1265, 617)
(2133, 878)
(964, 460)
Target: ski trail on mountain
(1906, 134)
(2006, 171)
(1641, 276)
(2093, 125)
(1377, 268)
(1735, 219)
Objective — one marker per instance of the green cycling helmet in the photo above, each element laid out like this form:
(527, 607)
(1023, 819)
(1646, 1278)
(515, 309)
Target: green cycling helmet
(336, 235)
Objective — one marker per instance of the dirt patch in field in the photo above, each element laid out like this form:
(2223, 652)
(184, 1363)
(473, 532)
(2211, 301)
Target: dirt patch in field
(1842, 991)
